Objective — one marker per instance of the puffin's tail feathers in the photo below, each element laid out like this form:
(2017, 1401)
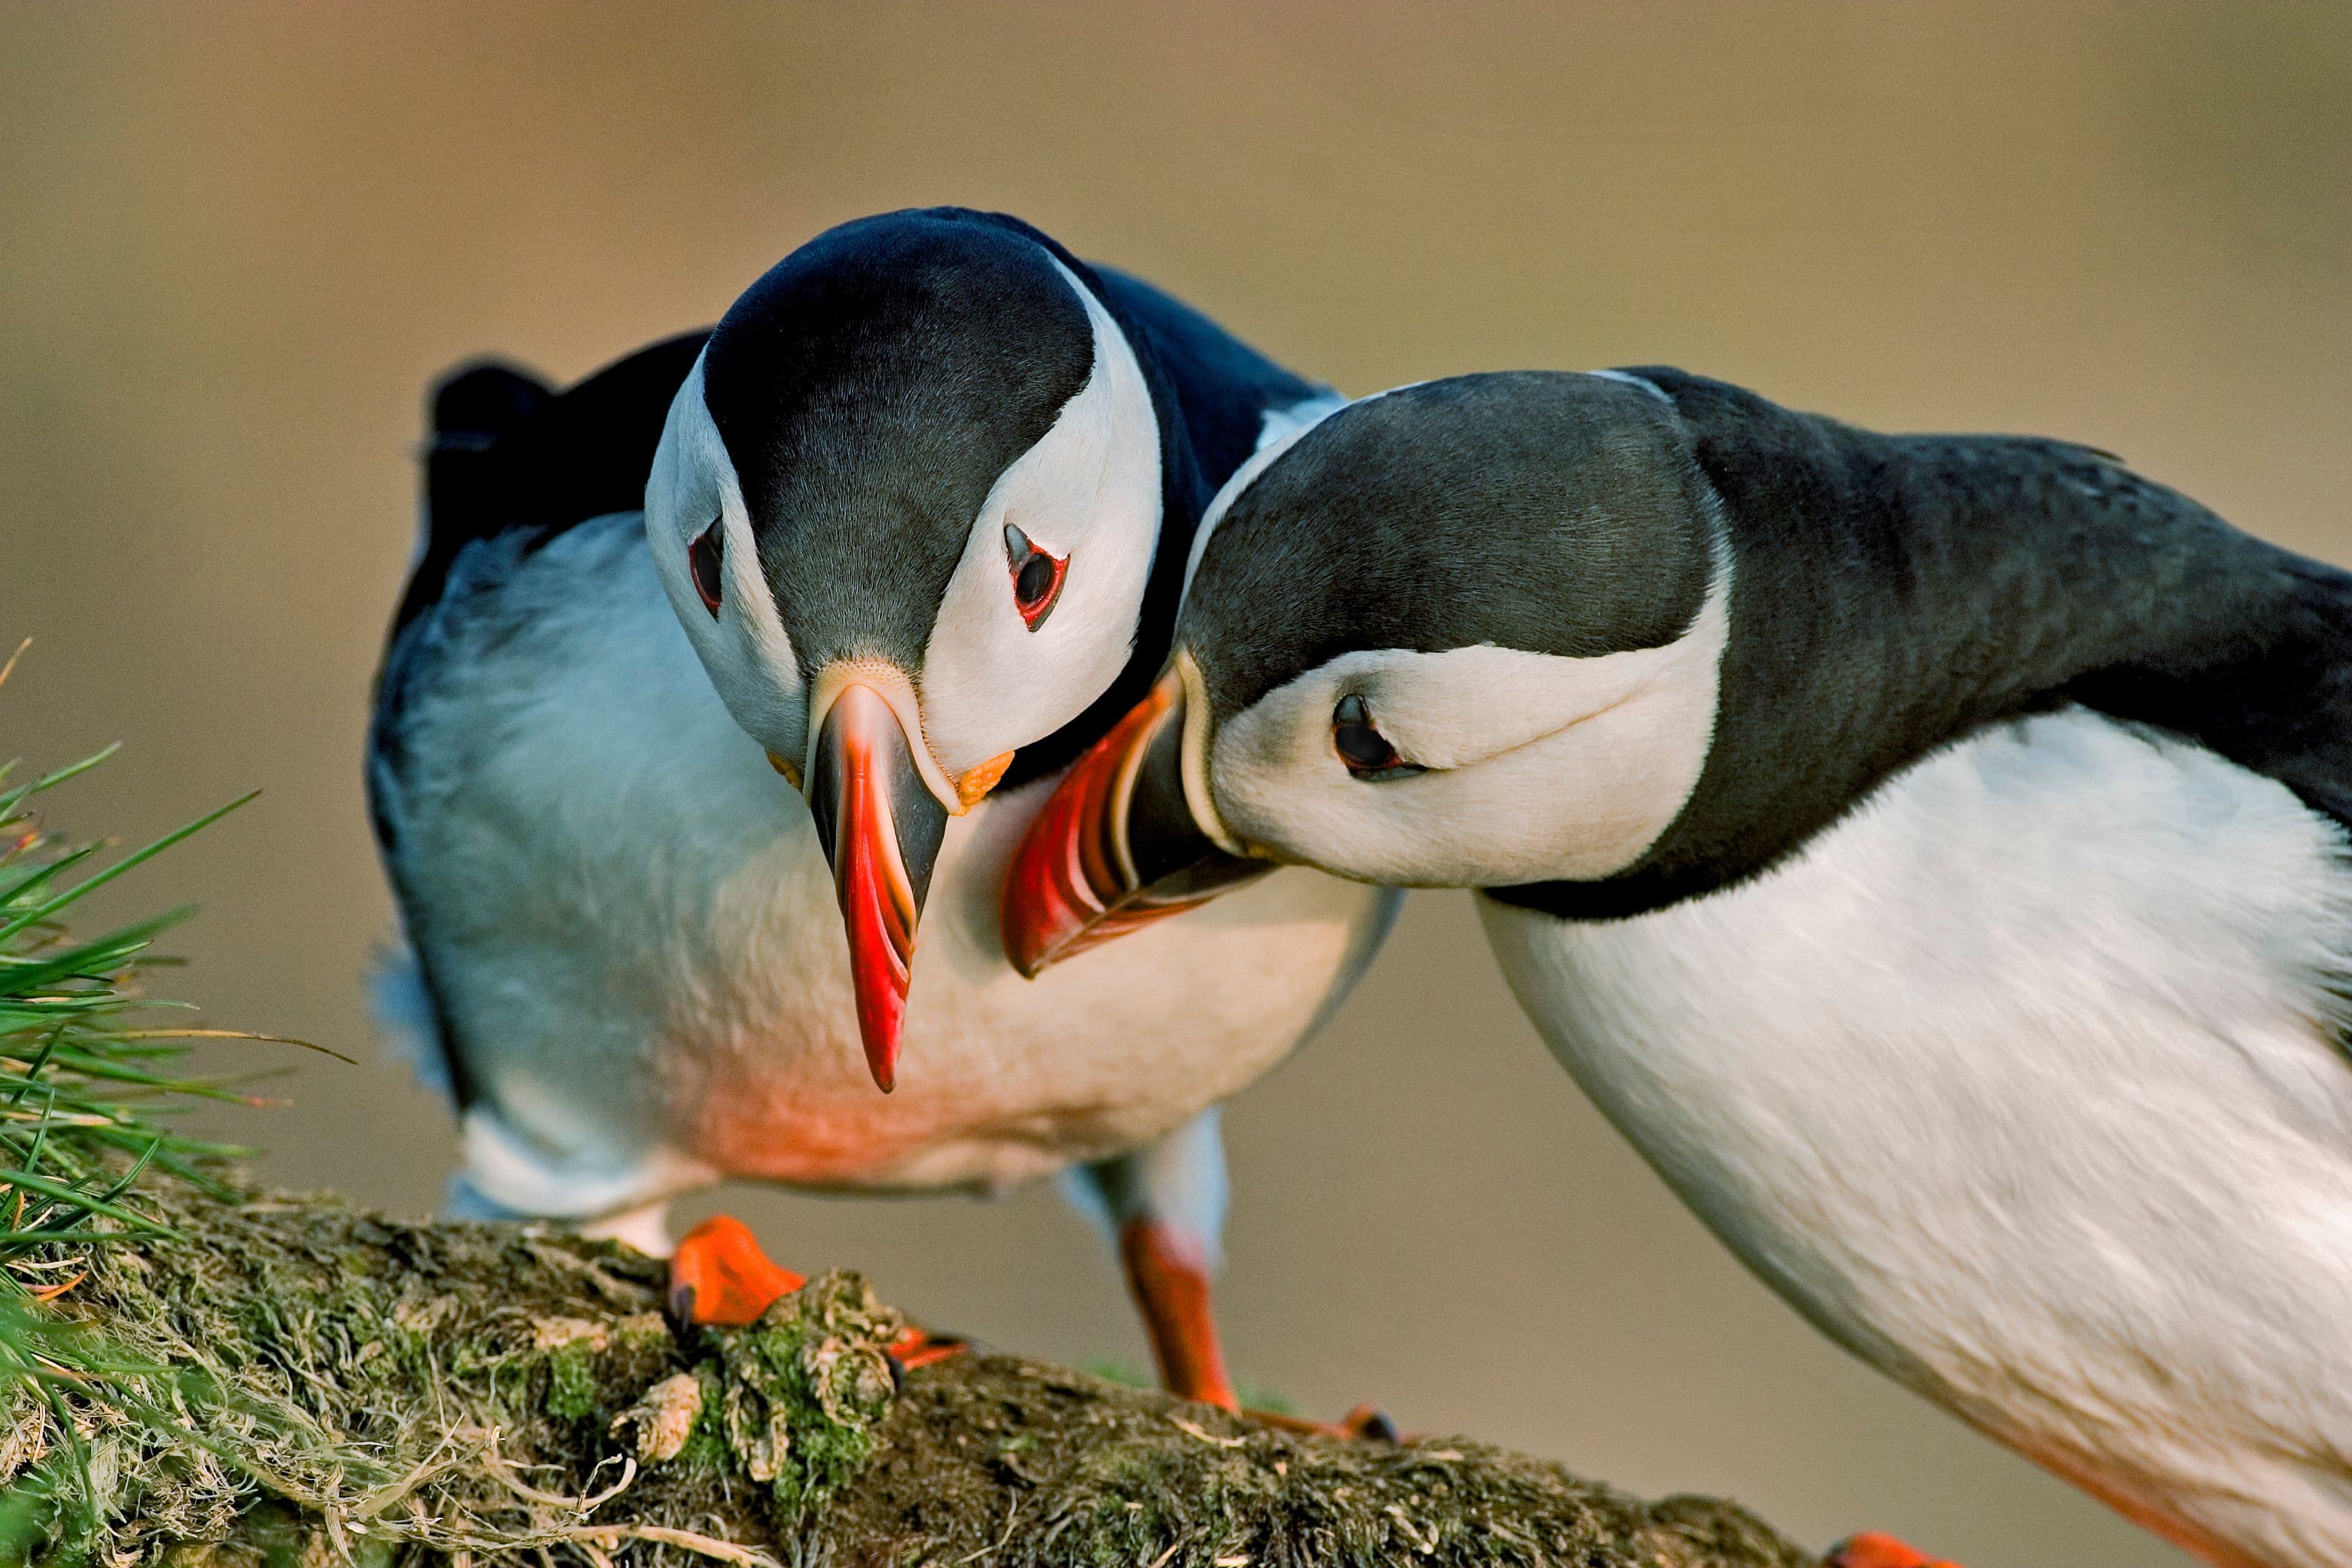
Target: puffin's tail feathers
(484, 396)
(505, 450)
(471, 407)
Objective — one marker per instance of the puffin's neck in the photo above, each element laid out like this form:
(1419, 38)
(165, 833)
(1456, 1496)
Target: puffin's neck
(1891, 593)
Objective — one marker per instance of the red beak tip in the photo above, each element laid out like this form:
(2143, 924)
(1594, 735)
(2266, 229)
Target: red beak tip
(1035, 964)
(882, 1061)
(1027, 961)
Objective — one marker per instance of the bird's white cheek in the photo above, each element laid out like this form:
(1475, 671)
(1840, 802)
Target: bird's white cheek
(744, 647)
(1580, 801)
(1542, 767)
(991, 684)
(1088, 491)
(763, 692)
(1577, 804)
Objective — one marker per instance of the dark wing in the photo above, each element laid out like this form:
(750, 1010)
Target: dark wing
(1894, 593)
(508, 454)
(506, 451)
(1989, 575)
(2278, 700)
(1223, 386)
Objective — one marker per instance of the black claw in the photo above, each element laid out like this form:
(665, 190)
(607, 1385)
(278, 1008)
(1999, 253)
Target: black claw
(1376, 1427)
(681, 1305)
(897, 1374)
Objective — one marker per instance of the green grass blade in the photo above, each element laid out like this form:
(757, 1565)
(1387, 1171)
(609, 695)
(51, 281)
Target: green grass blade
(135, 859)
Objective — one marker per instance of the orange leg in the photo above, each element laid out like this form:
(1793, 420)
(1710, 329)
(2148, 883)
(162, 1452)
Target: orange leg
(718, 1275)
(1871, 1549)
(1171, 1283)
(1171, 1288)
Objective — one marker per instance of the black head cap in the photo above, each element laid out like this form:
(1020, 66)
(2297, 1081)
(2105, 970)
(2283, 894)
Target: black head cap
(1547, 512)
(870, 389)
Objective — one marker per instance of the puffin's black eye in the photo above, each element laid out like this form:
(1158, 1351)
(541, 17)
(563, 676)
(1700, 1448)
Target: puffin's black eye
(1364, 748)
(1036, 576)
(703, 558)
(1034, 580)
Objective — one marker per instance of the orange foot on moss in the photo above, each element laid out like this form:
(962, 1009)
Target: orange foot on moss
(719, 1276)
(1871, 1549)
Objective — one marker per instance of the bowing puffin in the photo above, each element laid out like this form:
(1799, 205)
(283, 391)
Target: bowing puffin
(784, 630)
(1930, 851)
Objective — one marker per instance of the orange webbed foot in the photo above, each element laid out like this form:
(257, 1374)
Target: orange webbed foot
(1875, 1549)
(920, 1347)
(1364, 1424)
(719, 1276)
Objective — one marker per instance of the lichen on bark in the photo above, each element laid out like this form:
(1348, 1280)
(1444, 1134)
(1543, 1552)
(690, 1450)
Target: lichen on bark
(301, 1383)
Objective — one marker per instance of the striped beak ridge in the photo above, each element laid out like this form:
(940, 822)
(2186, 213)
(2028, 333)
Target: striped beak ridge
(1117, 846)
(881, 827)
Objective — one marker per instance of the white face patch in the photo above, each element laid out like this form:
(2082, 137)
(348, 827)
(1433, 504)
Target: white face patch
(744, 646)
(1089, 492)
(1540, 767)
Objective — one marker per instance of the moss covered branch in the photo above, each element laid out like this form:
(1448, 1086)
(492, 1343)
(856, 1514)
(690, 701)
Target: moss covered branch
(297, 1382)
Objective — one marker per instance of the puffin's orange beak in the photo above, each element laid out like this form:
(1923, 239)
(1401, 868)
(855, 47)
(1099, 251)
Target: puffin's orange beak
(881, 826)
(1115, 847)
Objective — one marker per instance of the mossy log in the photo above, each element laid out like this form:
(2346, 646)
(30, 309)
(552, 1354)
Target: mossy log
(297, 1382)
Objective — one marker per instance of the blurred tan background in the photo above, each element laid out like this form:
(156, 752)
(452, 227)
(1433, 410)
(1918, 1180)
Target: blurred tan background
(235, 242)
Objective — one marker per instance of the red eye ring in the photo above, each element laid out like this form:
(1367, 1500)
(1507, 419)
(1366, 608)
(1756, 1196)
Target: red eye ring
(704, 557)
(1036, 576)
